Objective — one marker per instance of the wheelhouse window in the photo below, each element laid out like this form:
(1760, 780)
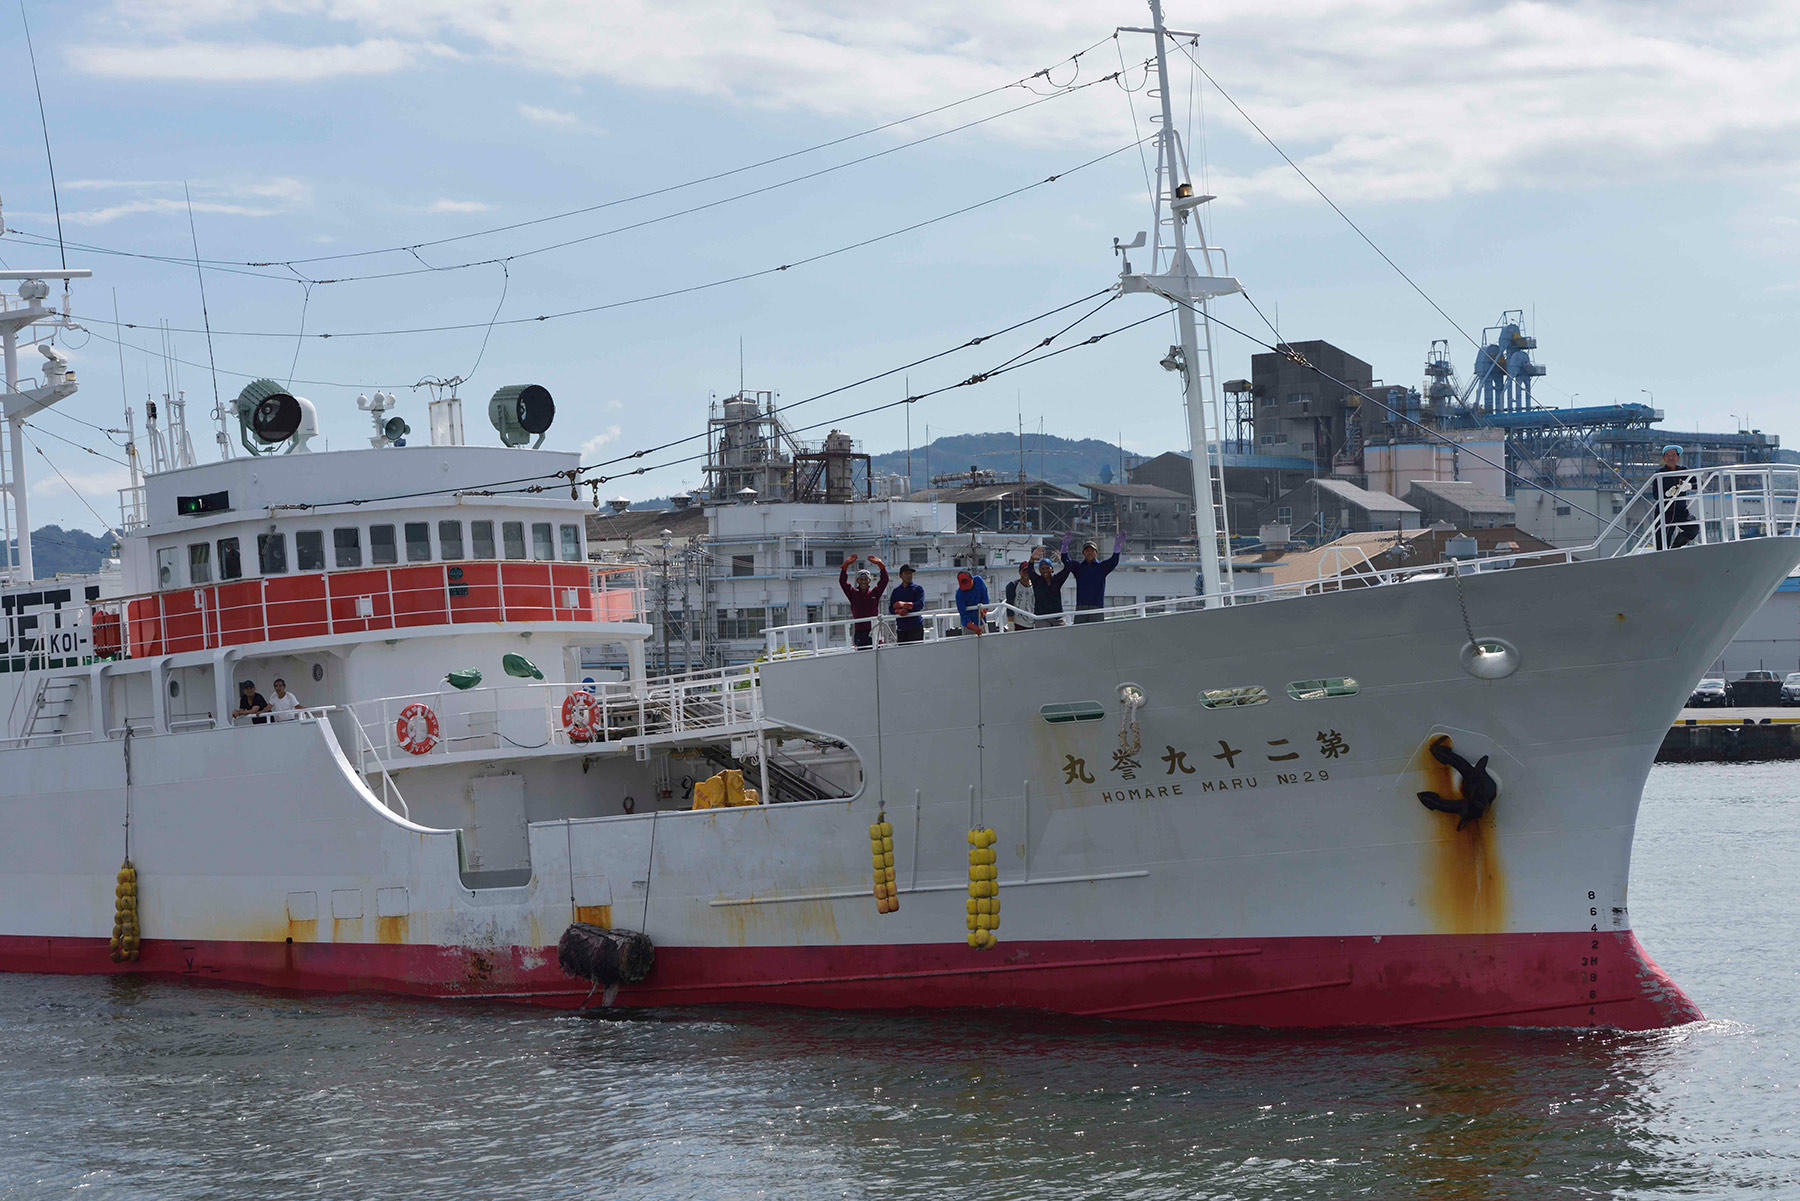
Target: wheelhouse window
(512, 539)
(231, 563)
(418, 542)
(481, 538)
(168, 567)
(199, 563)
(543, 545)
(347, 545)
(450, 539)
(381, 545)
(271, 554)
(309, 550)
(571, 543)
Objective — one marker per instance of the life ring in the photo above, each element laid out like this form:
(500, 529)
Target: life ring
(416, 729)
(578, 716)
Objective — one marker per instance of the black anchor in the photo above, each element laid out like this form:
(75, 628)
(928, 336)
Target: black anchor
(1478, 788)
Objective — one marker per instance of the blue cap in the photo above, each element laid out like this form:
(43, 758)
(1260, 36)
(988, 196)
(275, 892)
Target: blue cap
(1671, 447)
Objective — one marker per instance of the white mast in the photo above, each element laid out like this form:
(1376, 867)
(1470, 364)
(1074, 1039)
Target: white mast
(21, 404)
(1172, 275)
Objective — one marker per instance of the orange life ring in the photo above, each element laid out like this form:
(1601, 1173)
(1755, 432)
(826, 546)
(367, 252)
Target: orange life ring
(416, 729)
(578, 716)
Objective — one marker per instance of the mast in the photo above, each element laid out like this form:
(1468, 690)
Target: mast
(1173, 276)
(20, 404)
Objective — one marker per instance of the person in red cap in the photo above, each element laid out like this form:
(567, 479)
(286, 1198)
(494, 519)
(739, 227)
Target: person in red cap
(971, 602)
(865, 601)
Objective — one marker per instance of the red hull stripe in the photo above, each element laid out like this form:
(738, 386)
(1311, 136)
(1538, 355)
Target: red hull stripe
(1558, 979)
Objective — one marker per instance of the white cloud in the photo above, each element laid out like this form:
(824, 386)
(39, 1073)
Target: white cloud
(599, 440)
(554, 117)
(445, 205)
(1380, 100)
(258, 197)
(190, 61)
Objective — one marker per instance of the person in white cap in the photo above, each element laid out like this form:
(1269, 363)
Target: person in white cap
(1675, 522)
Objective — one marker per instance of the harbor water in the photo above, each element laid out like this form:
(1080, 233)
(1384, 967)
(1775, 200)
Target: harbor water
(131, 1089)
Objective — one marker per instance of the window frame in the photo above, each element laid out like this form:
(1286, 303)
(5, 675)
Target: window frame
(278, 540)
(317, 538)
(444, 545)
(378, 555)
(235, 561)
(343, 548)
(199, 565)
(509, 531)
(569, 542)
(479, 532)
(407, 543)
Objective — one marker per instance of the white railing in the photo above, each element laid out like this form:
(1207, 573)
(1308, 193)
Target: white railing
(1727, 504)
(537, 717)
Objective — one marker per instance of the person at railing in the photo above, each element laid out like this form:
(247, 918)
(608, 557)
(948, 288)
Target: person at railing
(971, 603)
(1675, 522)
(904, 603)
(251, 704)
(284, 705)
(1090, 573)
(865, 598)
(1021, 597)
(1046, 588)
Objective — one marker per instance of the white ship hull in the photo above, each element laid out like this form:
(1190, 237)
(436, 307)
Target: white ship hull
(1269, 864)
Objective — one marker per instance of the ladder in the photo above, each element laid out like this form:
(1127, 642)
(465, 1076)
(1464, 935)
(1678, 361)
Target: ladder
(50, 706)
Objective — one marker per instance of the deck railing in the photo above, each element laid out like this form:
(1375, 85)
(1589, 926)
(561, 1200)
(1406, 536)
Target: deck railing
(529, 717)
(1727, 504)
(273, 608)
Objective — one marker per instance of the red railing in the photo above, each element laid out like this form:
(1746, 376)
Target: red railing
(272, 608)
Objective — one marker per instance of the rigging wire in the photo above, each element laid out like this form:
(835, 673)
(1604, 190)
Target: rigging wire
(107, 525)
(586, 310)
(1288, 352)
(1581, 440)
(44, 123)
(414, 247)
(543, 481)
(71, 442)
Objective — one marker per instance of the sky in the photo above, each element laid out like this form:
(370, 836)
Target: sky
(1623, 173)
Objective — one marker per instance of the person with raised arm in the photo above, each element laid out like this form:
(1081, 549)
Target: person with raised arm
(1047, 594)
(1090, 572)
(865, 598)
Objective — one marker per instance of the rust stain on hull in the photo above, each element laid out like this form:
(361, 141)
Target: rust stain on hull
(1464, 887)
(346, 929)
(392, 929)
(303, 931)
(594, 915)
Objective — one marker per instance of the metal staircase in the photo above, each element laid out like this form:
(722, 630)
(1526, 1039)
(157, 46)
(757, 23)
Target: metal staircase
(787, 779)
(51, 704)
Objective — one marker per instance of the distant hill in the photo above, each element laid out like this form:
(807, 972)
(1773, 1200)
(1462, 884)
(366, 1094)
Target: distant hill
(1065, 461)
(54, 549)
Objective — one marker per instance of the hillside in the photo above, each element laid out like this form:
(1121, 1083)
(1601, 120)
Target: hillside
(1065, 461)
(54, 549)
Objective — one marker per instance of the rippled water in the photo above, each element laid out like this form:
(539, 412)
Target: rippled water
(118, 1088)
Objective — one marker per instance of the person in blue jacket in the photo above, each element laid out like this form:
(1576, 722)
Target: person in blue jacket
(904, 602)
(1090, 572)
(971, 602)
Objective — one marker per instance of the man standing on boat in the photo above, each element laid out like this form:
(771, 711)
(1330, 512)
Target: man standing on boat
(1090, 573)
(251, 704)
(1675, 522)
(971, 602)
(1021, 597)
(1047, 588)
(904, 603)
(865, 601)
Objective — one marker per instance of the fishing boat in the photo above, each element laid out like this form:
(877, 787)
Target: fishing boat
(1389, 797)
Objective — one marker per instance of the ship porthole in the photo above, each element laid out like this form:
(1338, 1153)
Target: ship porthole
(1490, 658)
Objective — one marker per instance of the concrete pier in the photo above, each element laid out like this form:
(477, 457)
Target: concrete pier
(1728, 735)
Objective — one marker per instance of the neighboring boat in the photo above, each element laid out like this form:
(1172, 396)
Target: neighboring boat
(1329, 803)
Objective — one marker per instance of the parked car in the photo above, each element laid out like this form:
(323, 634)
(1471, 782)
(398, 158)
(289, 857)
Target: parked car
(1708, 694)
(1790, 689)
(1755, 689)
